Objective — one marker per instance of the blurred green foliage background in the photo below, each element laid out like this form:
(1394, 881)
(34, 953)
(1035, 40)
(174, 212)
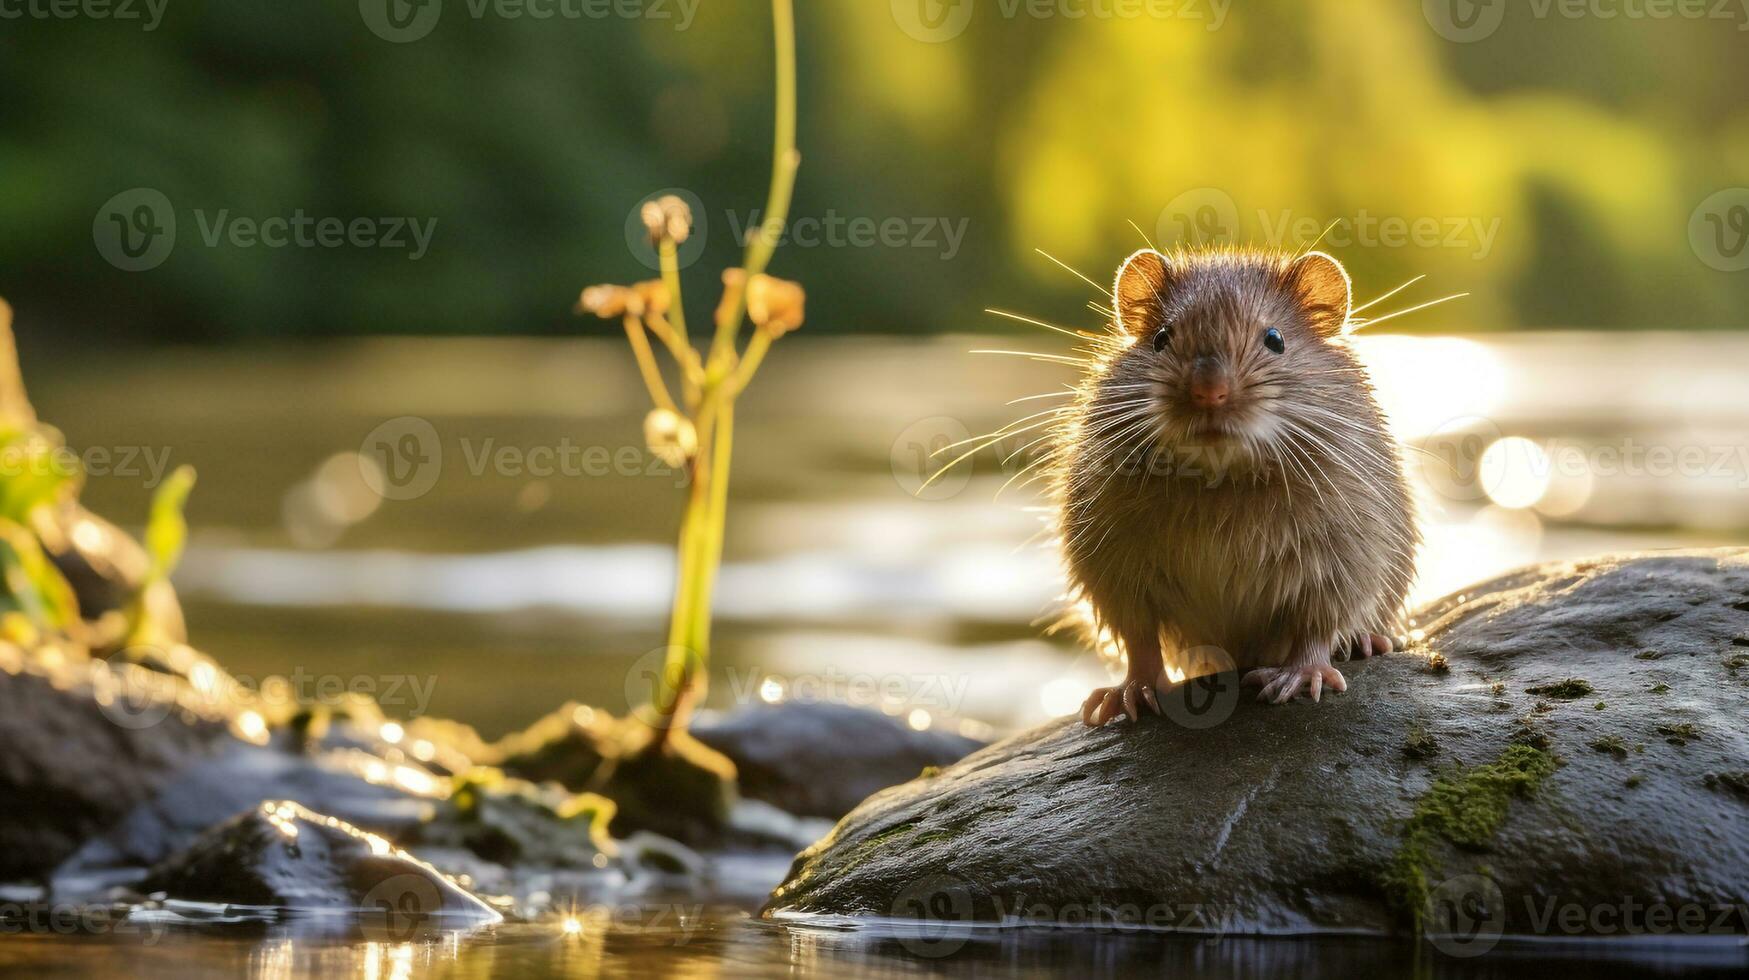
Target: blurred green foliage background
(1560, 157)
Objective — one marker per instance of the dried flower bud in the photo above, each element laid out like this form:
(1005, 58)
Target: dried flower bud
(606, 302)
(670, 436)
(676, 217)
(776, 306)
(654, 220)
(652, 297)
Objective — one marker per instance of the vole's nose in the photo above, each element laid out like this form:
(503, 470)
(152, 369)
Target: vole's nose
(1209, 386)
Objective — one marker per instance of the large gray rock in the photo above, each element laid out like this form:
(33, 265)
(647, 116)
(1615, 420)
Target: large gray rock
(1571, 738)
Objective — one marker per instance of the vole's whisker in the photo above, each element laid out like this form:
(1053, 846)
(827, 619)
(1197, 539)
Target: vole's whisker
(1144, 235)
(1020, 473)
(1010, 456)
(1068, 390)
(1046, 358)
(1022, 318)
(1374, 302)
(1005, 430)
(1103, 290)
(1304, 249)
(1375, 321)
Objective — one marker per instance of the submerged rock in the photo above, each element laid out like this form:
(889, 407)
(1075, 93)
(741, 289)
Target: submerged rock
(1227, 816)
(821, 760)
(283, 856)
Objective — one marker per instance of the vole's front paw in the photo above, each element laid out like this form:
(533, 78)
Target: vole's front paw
(1282, 684)
(1108, 703)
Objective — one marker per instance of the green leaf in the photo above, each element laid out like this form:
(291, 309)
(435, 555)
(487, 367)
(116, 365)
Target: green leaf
(166, 528)
(30, 583)
(34, 472)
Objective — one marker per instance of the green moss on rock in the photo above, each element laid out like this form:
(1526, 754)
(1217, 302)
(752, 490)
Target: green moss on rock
(1729, 782)
(1420, 745)
(1464, 807)
(1679, 734)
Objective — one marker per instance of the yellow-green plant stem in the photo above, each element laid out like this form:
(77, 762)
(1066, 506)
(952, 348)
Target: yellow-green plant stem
(669, 257)
(647, 364)
(691, 371)
(784, 163)
(681, 662)
(716, 514)
(702, 528)
(750, 361)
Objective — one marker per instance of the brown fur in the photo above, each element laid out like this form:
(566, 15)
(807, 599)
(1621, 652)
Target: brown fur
(1293, 527)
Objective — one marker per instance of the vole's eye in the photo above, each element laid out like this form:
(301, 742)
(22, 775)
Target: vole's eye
(1161, 338)
(1272, 339)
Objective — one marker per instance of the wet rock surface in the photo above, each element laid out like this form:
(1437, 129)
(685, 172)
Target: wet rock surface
(1434, 795)
(82, 743)
(237, 778)
(283, 856)
(108, 768)
(820, 759)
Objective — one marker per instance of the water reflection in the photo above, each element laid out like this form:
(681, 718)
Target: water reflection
(728, 942)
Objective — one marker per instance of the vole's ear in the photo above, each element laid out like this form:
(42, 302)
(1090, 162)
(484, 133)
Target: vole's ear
(1323, 289)
(1140, 293)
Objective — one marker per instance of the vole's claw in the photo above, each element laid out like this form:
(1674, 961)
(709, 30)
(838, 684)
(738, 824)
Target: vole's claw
(1107, 704)
(1282, 684)
(1369, 645)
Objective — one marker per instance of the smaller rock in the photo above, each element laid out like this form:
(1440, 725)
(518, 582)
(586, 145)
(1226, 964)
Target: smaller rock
(665, 783)
(514, 822)
(283, 856)
(821, 760)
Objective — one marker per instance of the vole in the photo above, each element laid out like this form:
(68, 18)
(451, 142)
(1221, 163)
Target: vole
(1225, 480)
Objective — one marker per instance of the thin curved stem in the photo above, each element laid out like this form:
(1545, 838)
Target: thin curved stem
(647, 364)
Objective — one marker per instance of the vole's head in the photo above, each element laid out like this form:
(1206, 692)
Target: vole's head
(1228, 348)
